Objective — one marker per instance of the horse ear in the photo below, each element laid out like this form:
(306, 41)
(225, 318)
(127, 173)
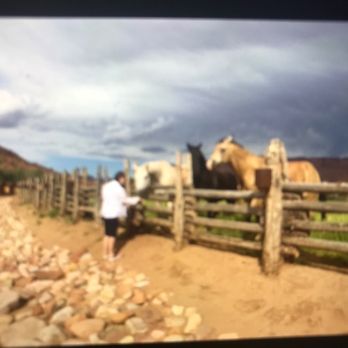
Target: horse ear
(199, 145)
(135, 165)
(189, 146)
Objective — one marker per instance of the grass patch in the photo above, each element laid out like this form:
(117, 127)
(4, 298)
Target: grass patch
(53, 213)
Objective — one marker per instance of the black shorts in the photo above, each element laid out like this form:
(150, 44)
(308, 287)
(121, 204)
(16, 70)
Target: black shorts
(111, 227)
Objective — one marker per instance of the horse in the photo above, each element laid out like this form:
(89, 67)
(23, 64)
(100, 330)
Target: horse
(160, 173)
(244, 164)
(220, 177)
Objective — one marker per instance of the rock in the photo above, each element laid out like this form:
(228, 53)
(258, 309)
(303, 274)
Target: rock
(150, 314)
(205, 332)
(23, 270)
(49, 275)
(25, 330)
(127, 339)
(72, 276)
(136, 325)
(37, 310)
(228, 336)
(107, 294)
(128, 295)
(121, 317)
(118, 302)
(174, 322)
(76, 255)
(6, 319)
(157, 335)
(57, 287)
(87, 327)
(22, 282)
(163, 297)
(51, 335)
(156, 301)
(93, 285)
(124, 288)
(105, 312)
(114, 333)
(85, 258)
(131, 306)
(74, 319)
(194, 320)
(9, 300)
(174, 338)
(76, 296)
(139, 297)
(62, 315)
(178, 310)
(142, 284)
(140, 277)
(73, 342)
(48, 308)
(22, 342)
(23, 313)
(39, 286)
(95, 339)
(45, 297)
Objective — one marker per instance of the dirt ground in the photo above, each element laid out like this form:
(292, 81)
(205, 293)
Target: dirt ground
(228, 289)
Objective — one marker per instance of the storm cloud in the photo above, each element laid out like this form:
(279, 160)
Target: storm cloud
(143, 88)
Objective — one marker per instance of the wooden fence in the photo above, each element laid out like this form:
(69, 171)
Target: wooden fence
(192, 215)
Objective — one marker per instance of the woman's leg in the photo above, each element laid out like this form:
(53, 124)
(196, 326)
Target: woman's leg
(105, 247)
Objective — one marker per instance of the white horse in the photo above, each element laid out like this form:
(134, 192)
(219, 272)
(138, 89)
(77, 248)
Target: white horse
(160, 173)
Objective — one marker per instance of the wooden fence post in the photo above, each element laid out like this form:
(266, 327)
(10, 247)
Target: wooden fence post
(44, 192)
(76, 193)
(50, 190)
(37, 193)
(84, 177)
(271, 253)
(179, 205)
(98, 196)
(126, 166)
(63, 186)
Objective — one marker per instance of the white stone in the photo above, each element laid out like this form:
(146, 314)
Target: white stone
(193, 323)
(127, 339)
(174, 338)
(178, 310)
(175, 322)
(62, 315)
(25, 330)
(136, 325)
(51, 335)
(157, 334)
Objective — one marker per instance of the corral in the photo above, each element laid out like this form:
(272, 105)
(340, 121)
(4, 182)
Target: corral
(279, 232)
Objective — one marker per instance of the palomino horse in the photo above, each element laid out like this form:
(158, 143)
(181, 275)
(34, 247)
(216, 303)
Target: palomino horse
(160, 173)
(244, 164)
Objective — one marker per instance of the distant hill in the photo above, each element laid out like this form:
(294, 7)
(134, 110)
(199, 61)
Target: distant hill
(334, 169)
(14, 168)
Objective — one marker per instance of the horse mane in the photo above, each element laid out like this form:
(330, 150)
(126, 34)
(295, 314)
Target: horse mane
(231, 141)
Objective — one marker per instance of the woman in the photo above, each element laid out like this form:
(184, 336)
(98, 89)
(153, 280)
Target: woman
(114, 206)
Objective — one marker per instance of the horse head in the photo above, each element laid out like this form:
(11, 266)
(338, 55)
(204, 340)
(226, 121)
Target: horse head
(219, 154)
(142, 178)
(198, 160)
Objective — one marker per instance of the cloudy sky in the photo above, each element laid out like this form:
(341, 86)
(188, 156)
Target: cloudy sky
(80, 92)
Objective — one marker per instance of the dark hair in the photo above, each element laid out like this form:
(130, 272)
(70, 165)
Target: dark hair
(120, 175)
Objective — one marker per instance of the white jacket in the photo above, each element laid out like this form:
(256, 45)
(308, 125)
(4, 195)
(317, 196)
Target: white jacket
(115, 200)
